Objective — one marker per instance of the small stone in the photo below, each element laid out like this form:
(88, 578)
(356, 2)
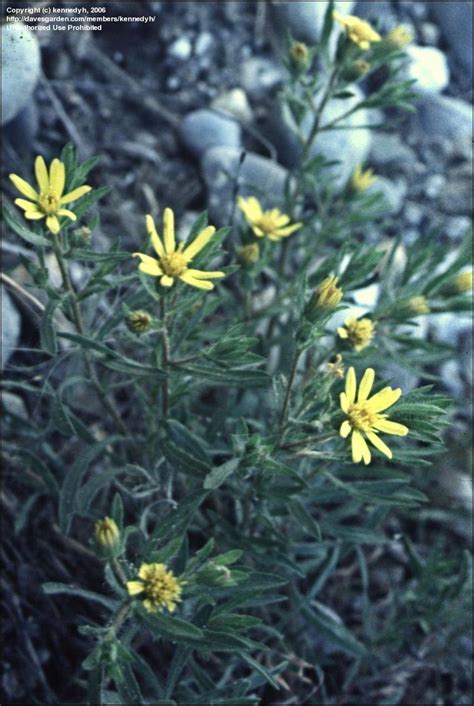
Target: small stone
(456, 197)
(203, 43)
(389, 149)
(235, 104)
(430, 33)
(11, 323)
(443, 115)
(255, 176)
(434, 184)
(399, 376)
(180, 49)
(21, 64)
(304, 19)
(14, 405)
(413, 213)
(394, 193)
(456, 227)
(203, 129)
(259, 76)
(428, 67)
(173, 83)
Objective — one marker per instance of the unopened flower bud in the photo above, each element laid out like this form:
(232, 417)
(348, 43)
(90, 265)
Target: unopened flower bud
(83, 233)
(328, 295)
(463, 282)
(362, 179)
(107, 535)
(336, 369)
(249, 254)
(417, 306)
(356, 70)
(399, 37)
(299, 56)
(214, 574)
(138, 321)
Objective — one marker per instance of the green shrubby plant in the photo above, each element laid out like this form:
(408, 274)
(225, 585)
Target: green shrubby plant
(222, 469)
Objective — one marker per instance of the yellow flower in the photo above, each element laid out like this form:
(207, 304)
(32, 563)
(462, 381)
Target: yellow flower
(249, 254)
(463, 282)
(107, 533)
(359, 332)
(399, 37)
(328, 295)
(362, 180)
(172, 262)
(273, 224)
(161, 588)
(138, 321)
(363, 416)
(359, 31)
(337, 368)
(418, 306)
(49, 200)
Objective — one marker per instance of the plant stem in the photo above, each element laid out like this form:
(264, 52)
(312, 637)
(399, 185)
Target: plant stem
(118, 571)
(79, 324)
(319, 114)
(118, 620)
(165, 359)
(291, 379)
(310, 439)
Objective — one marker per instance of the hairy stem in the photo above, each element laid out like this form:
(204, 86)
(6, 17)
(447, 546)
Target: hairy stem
(289, 387)
(165, 359)
(79, 324)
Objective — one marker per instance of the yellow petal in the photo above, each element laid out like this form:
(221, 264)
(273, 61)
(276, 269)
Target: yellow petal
(357, 445)
(283, 232)
(258, 231)
(41, 173)
(379, 444)
(389, 427)
(34, 215)
(53, 224)
(384, 399)
(75, 194)
(67, 213)
(199, 242)
(351, 385)
(250, 207)
(282, 220)
(366, 385)
(148, 265)
(342, 332)
(168, 231)
(154, 237)
(200, 274)
(57, 177)
(145, 571)
(166, 281)
(23, 187)
(135, 587)
(27, 205)
(149, 606)
(345, 429)
(344, 402)
(198, 283)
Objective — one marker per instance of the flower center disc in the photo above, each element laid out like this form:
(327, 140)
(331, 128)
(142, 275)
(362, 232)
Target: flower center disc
(267, 223)
(361, 417)
(174, 265)
(49, 203)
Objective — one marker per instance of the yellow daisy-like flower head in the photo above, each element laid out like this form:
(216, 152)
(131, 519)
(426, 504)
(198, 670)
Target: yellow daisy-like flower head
(418, 306)
(49, 201)
(271, 224)
(363, 416)
(328, 295)
(362, 179)
(336, 369)
(173, 260)
(359, 31)
(399, 37)
(359, 332)
(159, 586)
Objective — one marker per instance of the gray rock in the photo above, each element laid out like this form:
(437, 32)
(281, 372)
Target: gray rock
(430, 33)
(259, 77)
(442, 115)
(448, 327)
(11, 323)
(413, 213)
(389, 150)
(203, 43)
(455, 21)
(377, 12)
(235, 104)
(394, 193)
(305, 19)
(14, 405)
(434, 185)
(20, 68)
(255, 176)
(349, 147)
(428, 67)
(180, 49)
(456, 197)
(399, 376)
(203, 129)
(456, 228)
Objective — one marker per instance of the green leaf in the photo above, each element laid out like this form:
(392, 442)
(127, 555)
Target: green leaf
(172, 628)
(177, 456)
(328, 23)
(233, 621)
(328, 625)
(94, 686)
(229, 377)
(54, 588)
(228, 558)
(305, 519)
(93, 256)
(219, 474)
(127, 685)
(72, 481)
(261, 670)
(24, 232)
(47, 331)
